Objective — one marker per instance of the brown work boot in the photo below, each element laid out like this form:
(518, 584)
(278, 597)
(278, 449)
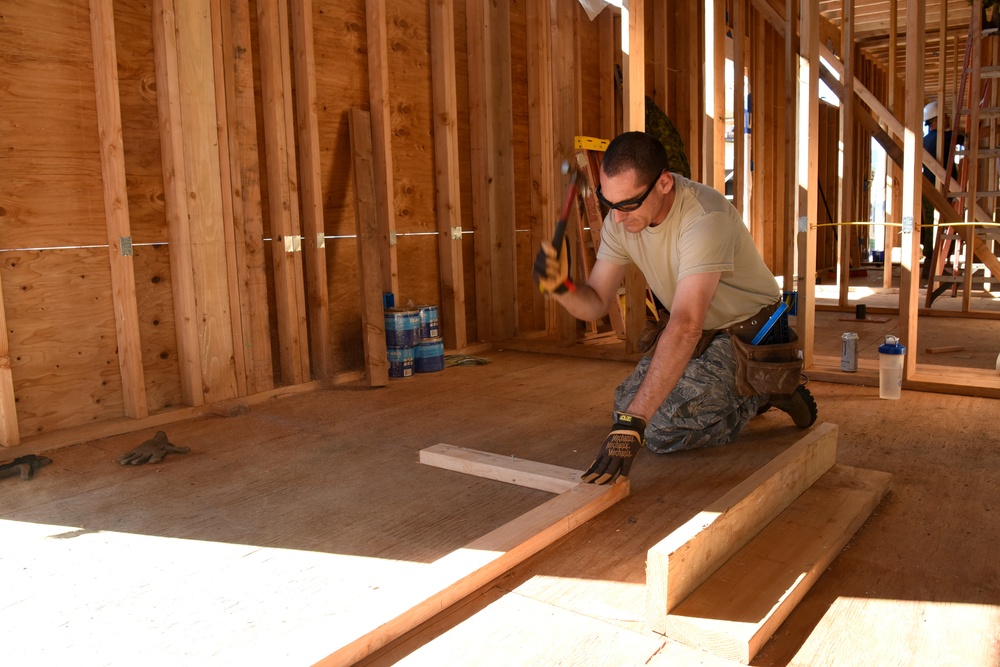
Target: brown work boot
(799, 404)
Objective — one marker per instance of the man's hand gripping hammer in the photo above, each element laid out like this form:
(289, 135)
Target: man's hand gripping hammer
(552, 264)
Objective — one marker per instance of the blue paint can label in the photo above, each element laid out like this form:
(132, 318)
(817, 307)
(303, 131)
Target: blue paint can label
(400, 361)
(429, 356)
(402, 327)
(428, 322)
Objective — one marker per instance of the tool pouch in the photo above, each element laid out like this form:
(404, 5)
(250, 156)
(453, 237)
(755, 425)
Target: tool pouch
(765, 369)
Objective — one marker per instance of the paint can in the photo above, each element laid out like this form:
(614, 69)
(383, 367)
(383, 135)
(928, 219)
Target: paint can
(429, 356)
(400, 361)
(849, 352)
(402, 327)
(428, 322)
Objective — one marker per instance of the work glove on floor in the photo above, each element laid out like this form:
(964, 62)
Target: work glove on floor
(628, 435)
(151, 451)
(551, 271)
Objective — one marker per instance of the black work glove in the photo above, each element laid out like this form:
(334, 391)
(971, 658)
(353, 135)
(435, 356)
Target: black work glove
(151, 451)
(627, 437)
(551, 270)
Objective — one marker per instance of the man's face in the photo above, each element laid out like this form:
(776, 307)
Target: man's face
(645, 203)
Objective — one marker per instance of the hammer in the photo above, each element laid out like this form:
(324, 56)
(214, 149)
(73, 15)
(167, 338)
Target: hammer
(560, 231)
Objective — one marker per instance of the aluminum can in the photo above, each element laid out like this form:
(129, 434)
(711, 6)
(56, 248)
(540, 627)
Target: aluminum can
(849, 352)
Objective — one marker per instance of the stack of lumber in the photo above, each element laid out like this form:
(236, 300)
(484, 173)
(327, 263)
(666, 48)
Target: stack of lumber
(726, 579)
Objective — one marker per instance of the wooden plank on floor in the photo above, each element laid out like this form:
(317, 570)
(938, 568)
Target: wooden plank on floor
(10, 435)
(532, 474)
(395, 609)
(736, 611)
(680, 562)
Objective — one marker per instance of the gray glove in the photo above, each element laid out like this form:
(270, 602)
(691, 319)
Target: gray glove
(151, 451)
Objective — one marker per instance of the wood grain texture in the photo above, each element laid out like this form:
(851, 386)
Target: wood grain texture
(369, 258)
(683, 560)
(532, 474)
(735, 612)
(116, 214)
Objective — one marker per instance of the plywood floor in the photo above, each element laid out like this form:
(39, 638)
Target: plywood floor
(279, 522)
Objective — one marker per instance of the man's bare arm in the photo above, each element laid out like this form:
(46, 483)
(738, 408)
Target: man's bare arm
(591, 301)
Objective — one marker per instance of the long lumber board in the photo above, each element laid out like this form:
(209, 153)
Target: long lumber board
(522, 472)
(397, 607)
(683, 560)
(738, 608)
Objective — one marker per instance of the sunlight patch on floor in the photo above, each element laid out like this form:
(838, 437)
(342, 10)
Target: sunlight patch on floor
(907, 632)
(110, 598)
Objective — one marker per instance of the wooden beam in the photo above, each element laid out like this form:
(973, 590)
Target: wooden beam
(221, 27)
(242, 189)
(634, 118)
(683, 560)
(808, 166)
(739, 93)
(736, 611)
(447, 169)
(714, 119)
(279, 142)
(109, 124)
(378, 85)
(392, 610)
(606, 73)
(10, 435)
(370, 273)
(564, 130)
(891, 233)
(182, 38)
(311, 188)
(168, 100)
(792, 155)
(541, 149)
(847, 155)
(912, 190)
(522, 472)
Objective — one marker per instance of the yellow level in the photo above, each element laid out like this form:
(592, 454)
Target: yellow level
(590, 144)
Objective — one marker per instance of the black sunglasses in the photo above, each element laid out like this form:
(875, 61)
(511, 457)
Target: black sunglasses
(629, 204)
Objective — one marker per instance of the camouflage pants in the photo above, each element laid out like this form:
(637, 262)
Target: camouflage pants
(703, 410)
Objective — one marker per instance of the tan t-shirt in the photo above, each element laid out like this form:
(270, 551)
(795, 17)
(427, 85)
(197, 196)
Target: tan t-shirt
(702, 233)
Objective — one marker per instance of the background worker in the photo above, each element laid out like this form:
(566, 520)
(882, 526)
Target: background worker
(701, 263)
(931, 115)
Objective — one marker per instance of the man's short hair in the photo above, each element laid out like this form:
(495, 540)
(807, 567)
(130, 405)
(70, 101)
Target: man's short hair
(636, 151)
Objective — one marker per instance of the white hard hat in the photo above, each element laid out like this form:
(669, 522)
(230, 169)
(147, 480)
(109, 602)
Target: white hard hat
(930, 111)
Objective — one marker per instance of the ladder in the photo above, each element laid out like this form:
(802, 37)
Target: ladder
(967, 243)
